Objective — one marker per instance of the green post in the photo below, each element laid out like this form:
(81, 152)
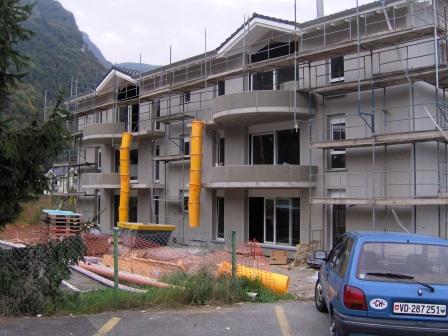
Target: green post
(116, 259)
(233, 255)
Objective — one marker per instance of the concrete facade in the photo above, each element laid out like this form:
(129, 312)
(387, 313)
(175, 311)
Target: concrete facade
(241, 98)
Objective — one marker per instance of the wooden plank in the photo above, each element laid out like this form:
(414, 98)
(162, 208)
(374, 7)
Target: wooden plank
(278, 257)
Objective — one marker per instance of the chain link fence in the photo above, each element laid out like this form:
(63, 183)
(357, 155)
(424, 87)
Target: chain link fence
(34, 274)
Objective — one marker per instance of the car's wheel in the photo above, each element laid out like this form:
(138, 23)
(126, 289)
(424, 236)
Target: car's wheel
(319, 298)
(333, 328)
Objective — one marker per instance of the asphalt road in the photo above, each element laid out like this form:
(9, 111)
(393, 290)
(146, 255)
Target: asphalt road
(284, 318)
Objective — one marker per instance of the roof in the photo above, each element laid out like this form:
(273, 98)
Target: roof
(342, 14)
(398, 237)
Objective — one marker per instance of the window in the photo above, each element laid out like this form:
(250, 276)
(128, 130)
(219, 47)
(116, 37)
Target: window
(219, 217)
(98, 208)
(186, 146)
(221, 88)
(288, 147)
(156, 113)
(156, 209)
(263, 149)
(273, 50)
(134, 113)
(337, 69)
(337, 132)
(157, 165)
(426, 263)
(264, 80)
(184, 196)
(338, 221)
(187, 96)
(278, 223)
(221, 152)
(281, 147)
(98, 158)
(133, 168)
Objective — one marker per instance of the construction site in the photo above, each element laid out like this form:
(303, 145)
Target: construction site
(285, 136)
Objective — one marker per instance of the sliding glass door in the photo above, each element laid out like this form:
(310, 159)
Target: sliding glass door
(278, 223)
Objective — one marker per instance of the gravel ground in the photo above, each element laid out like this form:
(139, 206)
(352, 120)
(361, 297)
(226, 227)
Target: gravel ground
(301, 279)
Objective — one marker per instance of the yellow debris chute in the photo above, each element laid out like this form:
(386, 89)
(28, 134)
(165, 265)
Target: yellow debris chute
(194, 205)
(125, 150)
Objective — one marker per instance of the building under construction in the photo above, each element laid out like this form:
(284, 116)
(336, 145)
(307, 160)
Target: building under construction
(311, 129)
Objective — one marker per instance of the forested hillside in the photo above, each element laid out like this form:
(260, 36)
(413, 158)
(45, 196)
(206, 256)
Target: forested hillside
(57, 52)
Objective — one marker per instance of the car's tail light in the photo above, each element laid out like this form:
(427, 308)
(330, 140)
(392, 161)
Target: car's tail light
(354, 298)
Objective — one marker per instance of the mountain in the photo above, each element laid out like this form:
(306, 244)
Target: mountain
(95, 50)
(58, 53)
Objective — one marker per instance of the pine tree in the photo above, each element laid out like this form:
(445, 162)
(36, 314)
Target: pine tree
(25, 153)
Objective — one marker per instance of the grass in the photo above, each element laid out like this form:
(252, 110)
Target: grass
(200, 288)
(32, 210)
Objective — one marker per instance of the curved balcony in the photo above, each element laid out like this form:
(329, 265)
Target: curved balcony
(256, 107)
(103, 132)
(261, 176)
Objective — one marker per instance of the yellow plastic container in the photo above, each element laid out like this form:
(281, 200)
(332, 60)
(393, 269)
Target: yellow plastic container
(278, 283)
(194, 207)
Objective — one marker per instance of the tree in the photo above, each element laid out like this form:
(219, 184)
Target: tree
(26, 152)
(12, 16)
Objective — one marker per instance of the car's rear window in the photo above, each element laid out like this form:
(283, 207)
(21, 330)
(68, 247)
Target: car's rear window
(426, 263)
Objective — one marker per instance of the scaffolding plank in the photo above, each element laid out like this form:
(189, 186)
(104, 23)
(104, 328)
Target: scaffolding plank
(381, 201)
(383, 80)
(167, 158)
(171, 118)
(382, 139)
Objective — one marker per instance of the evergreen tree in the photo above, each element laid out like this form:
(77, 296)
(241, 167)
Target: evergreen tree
(26, 152)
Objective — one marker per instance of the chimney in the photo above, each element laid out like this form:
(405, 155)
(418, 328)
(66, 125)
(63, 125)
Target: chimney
(320, 8)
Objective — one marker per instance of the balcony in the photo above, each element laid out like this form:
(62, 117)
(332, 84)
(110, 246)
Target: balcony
(112, 131)
(100, 181)
(260, 176)
(256, 107)
(103, 132)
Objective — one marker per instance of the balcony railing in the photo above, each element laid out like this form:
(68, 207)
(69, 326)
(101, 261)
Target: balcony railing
(261, 176)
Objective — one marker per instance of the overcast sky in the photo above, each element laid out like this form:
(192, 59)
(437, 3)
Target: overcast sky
(123, 29)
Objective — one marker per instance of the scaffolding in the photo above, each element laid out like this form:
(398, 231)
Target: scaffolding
(384, 44)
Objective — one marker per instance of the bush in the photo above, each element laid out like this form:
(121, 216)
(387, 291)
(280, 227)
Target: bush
(30, 277)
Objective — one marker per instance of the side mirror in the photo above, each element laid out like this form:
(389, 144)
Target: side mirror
(320, 255)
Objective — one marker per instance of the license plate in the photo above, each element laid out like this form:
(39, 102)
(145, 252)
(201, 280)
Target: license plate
(419, 309)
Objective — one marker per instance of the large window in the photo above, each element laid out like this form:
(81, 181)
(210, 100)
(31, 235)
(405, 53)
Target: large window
(263, 149)
(219, 217)
(272, 80)
(337, 132)
(337, 69)
(129, 114)
(278, 223)
(263, 81)
(281, 147)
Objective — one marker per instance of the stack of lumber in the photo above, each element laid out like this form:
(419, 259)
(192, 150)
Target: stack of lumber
(302, 251)
(57, 223)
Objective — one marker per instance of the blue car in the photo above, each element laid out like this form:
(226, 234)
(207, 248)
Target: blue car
(375, 283)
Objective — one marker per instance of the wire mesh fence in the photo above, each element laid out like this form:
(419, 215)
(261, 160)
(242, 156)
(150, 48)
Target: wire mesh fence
(34, 273)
